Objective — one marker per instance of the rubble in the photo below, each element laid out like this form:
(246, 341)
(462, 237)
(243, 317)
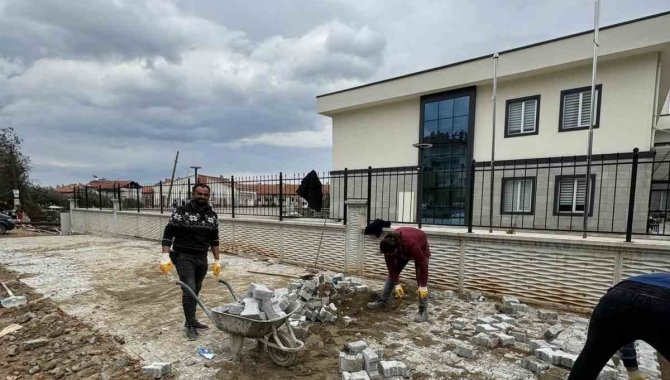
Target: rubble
(361, 361)
(157, 370)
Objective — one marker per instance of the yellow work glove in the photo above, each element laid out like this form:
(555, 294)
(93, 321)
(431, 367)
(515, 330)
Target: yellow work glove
(636, 375)
(422, 292)
(216, 268)
(165, 264)
(398, 292)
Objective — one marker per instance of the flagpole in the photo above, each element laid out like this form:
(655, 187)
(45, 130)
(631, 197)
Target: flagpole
(594, 102)
(493, 138)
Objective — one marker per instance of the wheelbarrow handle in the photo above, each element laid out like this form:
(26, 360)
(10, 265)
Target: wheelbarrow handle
(222, 281)
(192, 293)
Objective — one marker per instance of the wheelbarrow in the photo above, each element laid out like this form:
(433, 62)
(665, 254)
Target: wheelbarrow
(282, 345)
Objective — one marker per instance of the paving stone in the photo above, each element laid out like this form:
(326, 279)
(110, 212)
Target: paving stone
(360, 375)
(465, 351)
(519, 307)
(34, 343)
(505, 340)
(505, 318)
(503, 326)
(281, 292)
(565, 359)
(507, 300)
(459, 323)
(608, 374)
(545, 354)
(261, 292)
(351, 363)
(547, 315)
(539, 343)
(450, 294)
(251, 309)
(485, 328)
(393, 368)
(485, 340)
(272, 309)
(295, 285)
(552, 332)
(157, 370)
(534, 365)
(356, 347)
(519, 336)
(292, 297)
(336, 278)
(371, 362)
(361, 288)
(486, 321)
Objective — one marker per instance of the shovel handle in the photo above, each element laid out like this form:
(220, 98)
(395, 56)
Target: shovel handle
(7, 289)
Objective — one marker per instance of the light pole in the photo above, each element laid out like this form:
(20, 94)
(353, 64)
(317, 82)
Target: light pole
(196, 173)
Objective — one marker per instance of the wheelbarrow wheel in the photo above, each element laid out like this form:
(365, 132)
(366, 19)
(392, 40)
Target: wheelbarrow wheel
(283, 358)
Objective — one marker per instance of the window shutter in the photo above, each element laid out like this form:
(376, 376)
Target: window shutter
(586, 109)
(581, 192)
(508, 205)
(566, 192)
(571, 110)
(514, 118)
(529, 115)
(526, 195)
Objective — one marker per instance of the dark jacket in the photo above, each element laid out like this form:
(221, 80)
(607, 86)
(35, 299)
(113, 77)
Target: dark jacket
(192, 229)
(311, 191)
(413, 246)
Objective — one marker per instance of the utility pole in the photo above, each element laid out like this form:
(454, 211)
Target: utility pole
(174, 168)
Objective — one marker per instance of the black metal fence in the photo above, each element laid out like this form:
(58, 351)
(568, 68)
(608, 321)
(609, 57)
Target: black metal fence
(263, 196)
(628, 194)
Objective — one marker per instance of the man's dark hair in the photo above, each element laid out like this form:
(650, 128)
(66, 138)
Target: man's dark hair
(201, 185)
(390, 243)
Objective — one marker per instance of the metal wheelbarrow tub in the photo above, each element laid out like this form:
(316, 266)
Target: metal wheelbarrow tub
(282, 346)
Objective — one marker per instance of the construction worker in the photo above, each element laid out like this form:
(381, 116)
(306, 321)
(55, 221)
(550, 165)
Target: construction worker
(399, 247)
(191, 231)
(637, 308)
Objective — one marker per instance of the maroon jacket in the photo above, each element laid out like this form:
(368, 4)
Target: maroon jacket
(414, 246)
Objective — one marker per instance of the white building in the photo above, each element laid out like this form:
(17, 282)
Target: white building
(543, 109)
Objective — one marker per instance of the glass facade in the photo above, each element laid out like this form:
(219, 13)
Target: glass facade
(445, 165)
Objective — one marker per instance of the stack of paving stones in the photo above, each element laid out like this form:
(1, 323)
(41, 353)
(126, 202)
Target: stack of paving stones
(503, 330)
(359, 361)
(315, 295)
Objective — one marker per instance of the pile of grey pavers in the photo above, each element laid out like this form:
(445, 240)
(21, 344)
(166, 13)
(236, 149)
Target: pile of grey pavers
(315, 295)
(260, 303)
(502, 330)
(359, 361)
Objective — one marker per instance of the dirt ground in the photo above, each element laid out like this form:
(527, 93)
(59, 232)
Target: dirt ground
(110, 289)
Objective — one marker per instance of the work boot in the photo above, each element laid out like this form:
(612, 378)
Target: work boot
(380, 302)
(422, 316)
(191, 332)
(198, 325)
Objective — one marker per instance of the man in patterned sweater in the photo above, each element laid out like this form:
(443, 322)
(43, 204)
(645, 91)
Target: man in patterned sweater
(193, 228)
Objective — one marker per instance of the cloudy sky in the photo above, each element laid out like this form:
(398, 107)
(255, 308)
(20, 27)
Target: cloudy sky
(115, 87)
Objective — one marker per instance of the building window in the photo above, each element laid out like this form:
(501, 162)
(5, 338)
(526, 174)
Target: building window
(522, 116)
(576, 108)
(570, 194)
(659, 200)
(518, 195)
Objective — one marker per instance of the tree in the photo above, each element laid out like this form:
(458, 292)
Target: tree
(14, 165)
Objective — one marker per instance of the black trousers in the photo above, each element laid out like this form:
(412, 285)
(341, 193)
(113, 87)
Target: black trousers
(628, 312)
(192, 270)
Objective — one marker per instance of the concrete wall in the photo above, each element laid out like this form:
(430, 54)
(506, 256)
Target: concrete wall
(543, 270)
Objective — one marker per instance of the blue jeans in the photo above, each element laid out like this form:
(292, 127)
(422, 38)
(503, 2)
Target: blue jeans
(192, 270)
(630, 311)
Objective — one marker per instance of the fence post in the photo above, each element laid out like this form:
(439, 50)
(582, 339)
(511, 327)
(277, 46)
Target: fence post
(188, 190)
(86, 196)
(344, 197)
(137, 191)
(471, 197)
(232, 195)
(100, 197)
(369, 210)
(631, 198)
(160, 194)
(281, 196)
